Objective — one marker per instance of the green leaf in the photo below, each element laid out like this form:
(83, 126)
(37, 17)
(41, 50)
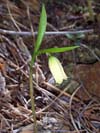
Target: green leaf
(70, 36)
(41, 30)
(75, 36)
(56, 50)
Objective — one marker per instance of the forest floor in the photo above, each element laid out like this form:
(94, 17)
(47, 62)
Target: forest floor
(57, 110)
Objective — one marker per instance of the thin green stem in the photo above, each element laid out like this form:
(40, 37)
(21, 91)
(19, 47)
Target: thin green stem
(90, 9)
(32, 96)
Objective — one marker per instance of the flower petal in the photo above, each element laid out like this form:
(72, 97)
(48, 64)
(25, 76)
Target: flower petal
(57, 70)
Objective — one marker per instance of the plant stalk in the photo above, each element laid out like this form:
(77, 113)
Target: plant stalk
(90, 9)
(32, 96)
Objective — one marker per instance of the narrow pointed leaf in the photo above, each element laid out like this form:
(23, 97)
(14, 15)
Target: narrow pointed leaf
(57, 50)
(42, 29)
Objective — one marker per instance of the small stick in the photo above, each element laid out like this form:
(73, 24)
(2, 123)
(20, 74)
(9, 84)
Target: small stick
(26, 33)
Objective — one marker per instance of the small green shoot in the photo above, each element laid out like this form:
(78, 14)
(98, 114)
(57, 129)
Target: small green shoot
(41, 31)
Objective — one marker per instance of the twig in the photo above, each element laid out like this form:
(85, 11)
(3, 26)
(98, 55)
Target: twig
(70, 103)
(26, 33)
(92, 52)
(11, 16)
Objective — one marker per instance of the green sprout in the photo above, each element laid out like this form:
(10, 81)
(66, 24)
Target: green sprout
(76, 38)
(41, 31)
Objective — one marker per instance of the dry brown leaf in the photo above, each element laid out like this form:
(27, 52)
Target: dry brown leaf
(2, 64)
(90, 77)
(33, 4)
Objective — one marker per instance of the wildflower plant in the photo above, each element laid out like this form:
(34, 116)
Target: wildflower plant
(53, 61)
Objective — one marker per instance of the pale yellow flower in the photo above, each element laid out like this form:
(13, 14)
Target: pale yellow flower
(57, 70)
